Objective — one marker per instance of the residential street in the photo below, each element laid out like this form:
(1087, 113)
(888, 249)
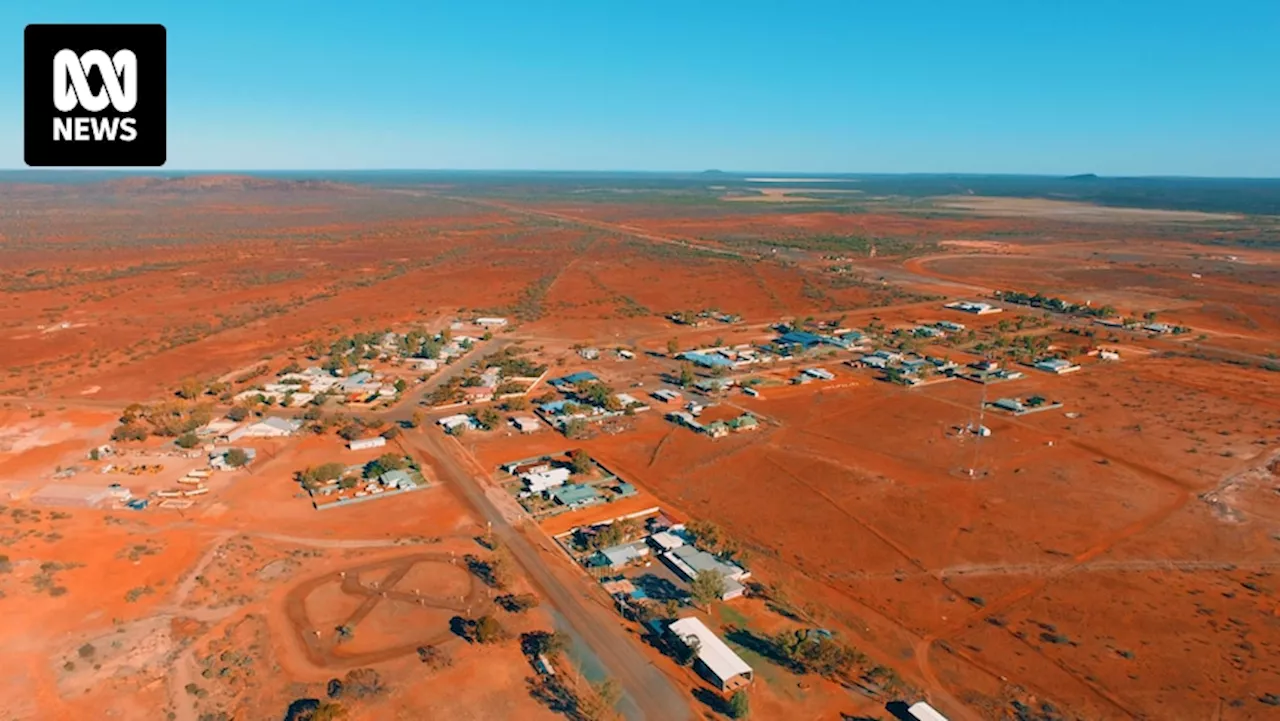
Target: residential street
(647, 692)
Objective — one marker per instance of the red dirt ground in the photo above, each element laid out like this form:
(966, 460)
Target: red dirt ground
(1119, 563)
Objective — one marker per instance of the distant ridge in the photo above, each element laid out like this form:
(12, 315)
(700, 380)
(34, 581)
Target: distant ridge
(195, 184)
(1082, 176)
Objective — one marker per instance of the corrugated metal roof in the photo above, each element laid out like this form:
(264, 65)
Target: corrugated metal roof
(712, 652)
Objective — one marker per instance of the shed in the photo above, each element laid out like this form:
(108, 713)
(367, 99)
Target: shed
(922, 711)
(716, 660)
(525, 424)
(804, 339)
(361, 444)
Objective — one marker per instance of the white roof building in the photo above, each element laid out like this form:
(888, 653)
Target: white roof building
(724, 667)
(361, 444)
(491, 322)
(540, 481)
(924, 712)
(525, 424)
(461, 419)
(273, 427)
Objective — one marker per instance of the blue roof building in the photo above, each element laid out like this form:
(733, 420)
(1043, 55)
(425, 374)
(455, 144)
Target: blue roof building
(801, 338)
(706, 360)
(575, 495)
(574, 379)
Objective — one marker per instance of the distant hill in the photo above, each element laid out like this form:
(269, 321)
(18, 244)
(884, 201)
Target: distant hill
(198, 184)
(1082, 176)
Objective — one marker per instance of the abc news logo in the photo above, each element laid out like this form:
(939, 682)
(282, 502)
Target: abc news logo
(107, 105)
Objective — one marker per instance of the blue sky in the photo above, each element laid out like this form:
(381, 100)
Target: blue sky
(1041, 86)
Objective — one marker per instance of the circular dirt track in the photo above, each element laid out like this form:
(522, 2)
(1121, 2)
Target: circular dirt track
(381, 584)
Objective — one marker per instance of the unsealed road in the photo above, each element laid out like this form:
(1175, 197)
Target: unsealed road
(648, 693)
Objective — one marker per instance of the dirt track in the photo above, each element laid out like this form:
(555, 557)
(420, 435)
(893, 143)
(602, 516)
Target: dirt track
(321, 646)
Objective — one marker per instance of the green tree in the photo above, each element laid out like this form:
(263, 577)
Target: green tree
(686, 376)
(238, 413)
(237, 458)
(544, 642)
(190, 389)
(739, 705)
(488, 418)
(129, 432)
(706, 588)
(187, 440)
(489, 630)
(579, 461)
(575, 428)
(673, 346)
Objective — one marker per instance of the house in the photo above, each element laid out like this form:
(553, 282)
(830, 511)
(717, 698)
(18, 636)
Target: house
(525, 424)
(716, 429)
(820, 373)
(1010, 404)
(716, 661)
(713, 385)
(426, 365)
(1109, 355)
(925, 331)
(461, 419)
(948, 325)
(398, 478)
(1056, 365)
(1158, 328)
(573, 379)
(589, 353)
(913, 365)
(364, 444)
(618, 557)
(624, 354)
(694, 408)
(688, 561)
(685, 418)
(575, 496)
(519, 469)
(273, 427)
(873, 361)
(625, 490)
(220, 427)
(706, 360)
(744, 422)
(356, 383)
(495, 322)
(665, 541)
(629, 401)
(539, 481)
(666, 395)
(921, 711)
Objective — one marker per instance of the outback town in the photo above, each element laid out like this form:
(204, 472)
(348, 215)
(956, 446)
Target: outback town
(317, 449)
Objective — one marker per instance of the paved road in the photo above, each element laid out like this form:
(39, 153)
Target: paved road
(648, 694)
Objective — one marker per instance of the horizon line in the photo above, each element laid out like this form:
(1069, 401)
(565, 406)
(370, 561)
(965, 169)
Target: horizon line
(732, 174)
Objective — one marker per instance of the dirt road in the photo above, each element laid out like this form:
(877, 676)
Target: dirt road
(648, 694)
